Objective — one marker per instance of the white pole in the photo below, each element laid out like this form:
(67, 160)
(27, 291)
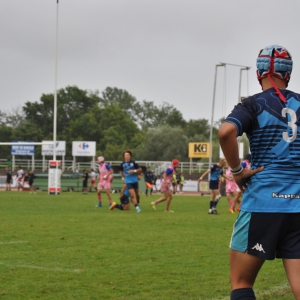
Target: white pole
(55, 89)
(212, 115)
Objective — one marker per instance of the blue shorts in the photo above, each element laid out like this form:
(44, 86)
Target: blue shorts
(124, 200)
(133, 186)
(267, 235)
(214, 184)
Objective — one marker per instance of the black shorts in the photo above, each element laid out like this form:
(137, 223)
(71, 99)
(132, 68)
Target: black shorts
(85, 184)
(214, 184)
(267, 235)
(124, 200)
(134, 185)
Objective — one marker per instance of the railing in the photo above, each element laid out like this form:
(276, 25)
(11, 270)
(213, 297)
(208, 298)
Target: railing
(156, 166)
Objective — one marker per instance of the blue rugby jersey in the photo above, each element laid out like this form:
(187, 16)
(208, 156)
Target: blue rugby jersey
(215, 172)
(126, 167)
(272, 129)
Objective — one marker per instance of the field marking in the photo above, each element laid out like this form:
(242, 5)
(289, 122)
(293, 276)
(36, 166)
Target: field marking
(269, 291)
(40, 268)
(12, 242)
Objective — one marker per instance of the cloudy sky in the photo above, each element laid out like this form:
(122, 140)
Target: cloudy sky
(157, 50)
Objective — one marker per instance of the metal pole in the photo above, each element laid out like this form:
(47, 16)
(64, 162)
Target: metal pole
(212, 114)
(55, 89)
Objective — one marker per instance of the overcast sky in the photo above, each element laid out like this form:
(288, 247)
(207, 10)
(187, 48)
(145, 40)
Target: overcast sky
(157, 50)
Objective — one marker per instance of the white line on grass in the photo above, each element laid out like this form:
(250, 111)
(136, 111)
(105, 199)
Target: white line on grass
(40, 268)
(12, 242)
(269, 291)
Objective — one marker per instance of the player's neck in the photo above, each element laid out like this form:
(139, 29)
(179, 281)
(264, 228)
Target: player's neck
(266, 83)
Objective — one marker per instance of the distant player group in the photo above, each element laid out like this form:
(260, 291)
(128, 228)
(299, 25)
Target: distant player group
(131, 173)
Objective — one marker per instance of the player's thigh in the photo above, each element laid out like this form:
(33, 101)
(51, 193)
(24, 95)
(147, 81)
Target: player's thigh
(243, 269)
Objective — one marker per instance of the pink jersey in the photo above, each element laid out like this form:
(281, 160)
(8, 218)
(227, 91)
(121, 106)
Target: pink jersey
(248, 166)
(104, 179)
(165, 185)
(103, 171)
(231, 186)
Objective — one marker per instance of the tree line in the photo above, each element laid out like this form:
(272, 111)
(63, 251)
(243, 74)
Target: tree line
(114, 119)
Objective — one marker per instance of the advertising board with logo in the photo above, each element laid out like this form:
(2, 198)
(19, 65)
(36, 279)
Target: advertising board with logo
(83, 148)
(22, 148)
(60, 148)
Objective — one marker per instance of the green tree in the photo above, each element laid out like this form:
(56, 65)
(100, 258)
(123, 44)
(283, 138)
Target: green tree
(5, 137)
(198, 127)
(163, 144)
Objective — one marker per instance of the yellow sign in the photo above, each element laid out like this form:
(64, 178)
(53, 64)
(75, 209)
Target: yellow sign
(199, 150)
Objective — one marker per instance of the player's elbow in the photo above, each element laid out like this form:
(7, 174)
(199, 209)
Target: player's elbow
(226, 131)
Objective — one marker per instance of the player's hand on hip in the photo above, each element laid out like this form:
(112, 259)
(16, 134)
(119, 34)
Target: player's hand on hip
(242, 178)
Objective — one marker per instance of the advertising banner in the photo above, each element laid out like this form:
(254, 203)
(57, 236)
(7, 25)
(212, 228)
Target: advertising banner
(22, 149)
(60, 148)
(83, 148)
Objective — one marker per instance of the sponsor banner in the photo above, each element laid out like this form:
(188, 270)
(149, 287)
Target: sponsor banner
(199, 150)
(13, 182)
(83, 148)
(188, 186)
(22, 149)
(60, 148)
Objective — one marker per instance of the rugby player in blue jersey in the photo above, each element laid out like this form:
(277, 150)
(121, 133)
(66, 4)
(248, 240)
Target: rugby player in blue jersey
(268, 225)
(129, 172)
(216, 171)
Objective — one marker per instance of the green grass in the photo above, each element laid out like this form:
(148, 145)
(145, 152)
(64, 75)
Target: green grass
(62, 247)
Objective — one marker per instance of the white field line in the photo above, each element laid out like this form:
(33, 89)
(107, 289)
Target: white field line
(12, 242)
(40, 268)
(269, 291)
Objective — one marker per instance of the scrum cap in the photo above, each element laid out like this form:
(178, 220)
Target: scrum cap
(175, 162)
(274, 61)
(100, 159)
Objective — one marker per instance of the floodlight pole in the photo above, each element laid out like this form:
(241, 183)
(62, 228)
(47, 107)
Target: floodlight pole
(240, 83)
(221, 64)
(212, 113)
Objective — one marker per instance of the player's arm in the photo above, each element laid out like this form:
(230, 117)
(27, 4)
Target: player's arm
(203, 175)
(122, 191)
(229, 145)
(137, 169)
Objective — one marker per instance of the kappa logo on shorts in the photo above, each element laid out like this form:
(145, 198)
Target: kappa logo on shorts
(259, 247)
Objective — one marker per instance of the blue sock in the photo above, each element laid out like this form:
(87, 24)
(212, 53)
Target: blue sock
(211, 204)
(242, 294)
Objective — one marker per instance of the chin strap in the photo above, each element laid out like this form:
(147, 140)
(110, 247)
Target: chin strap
(282, 98)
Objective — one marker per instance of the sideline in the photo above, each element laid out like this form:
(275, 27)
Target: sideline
(40, 268)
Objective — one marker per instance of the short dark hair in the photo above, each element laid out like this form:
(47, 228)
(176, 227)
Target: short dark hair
(127, 151)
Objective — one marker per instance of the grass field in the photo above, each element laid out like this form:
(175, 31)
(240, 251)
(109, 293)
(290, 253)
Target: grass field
(62, 247)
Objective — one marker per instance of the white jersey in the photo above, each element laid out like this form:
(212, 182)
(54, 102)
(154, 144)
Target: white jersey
(93, 175)
(20, 173)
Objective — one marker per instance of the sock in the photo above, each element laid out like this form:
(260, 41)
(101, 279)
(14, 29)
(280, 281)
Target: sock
(119, 206)
(211, 204)
(242, 294)
(146, 192)
(215, 203)
(151, 191)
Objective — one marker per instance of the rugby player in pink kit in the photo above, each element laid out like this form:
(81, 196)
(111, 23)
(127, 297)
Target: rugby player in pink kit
(105, 175)
(166, 186)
